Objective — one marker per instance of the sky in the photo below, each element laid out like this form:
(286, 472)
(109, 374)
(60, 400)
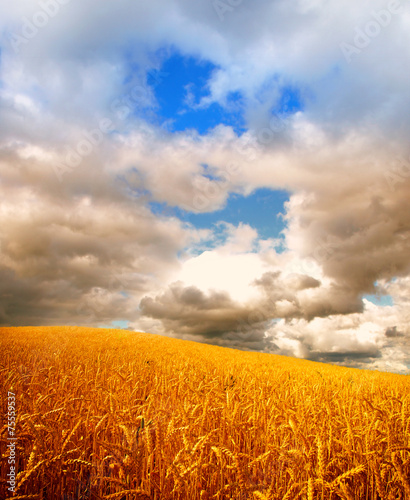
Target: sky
(232, 172)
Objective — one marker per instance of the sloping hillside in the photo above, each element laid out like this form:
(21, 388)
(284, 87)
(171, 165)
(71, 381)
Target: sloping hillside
(117, 414)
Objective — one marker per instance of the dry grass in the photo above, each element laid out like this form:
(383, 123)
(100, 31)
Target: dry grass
(121, 415)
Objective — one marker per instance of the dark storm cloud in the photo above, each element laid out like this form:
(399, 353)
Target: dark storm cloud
(348, 357)
(81, 260)
(188, 310)
(393, 333)
(284, 299)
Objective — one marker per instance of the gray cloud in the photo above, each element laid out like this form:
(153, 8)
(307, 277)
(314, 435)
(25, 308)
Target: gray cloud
(214, 316)
(285, 301)
(358, 238)
(392, 332)
(347, 358)
(84, 260)
(188, 310)
(86, 248)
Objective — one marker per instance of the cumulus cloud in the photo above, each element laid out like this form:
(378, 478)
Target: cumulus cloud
(392, 332)
(84, 259)
(358, 339)
(211, 317)
(188, 309)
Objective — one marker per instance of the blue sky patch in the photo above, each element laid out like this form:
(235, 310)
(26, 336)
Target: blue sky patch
(119, 324)
(259, 210)
(383, 300)
(290, 101)
(179, 91)
(162, 209)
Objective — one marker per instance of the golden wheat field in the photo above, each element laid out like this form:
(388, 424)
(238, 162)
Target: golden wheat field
(123, 415)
